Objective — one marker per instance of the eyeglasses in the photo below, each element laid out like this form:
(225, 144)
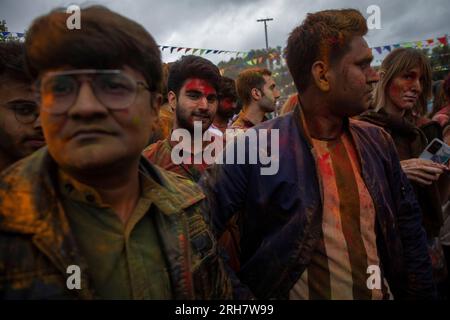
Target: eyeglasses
(114, 89)
(26, 112)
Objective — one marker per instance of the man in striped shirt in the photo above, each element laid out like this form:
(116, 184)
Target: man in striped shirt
(339, 220)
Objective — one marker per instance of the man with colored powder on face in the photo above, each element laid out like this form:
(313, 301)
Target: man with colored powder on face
(193, 86)
(227, 108)
(20, 127)
(88, 217)
(339, 220)
(258, 92)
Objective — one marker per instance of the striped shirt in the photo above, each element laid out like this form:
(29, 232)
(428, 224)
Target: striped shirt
(347, 247)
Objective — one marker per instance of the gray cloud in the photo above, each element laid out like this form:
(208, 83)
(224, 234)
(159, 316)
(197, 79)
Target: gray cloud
(231, 24)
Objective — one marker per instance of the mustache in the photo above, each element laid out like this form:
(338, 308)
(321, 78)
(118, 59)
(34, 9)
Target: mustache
(205, 114)
(38, 136)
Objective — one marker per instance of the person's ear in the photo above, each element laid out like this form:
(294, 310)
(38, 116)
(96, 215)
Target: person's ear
(156, 101)
(256, 94)
(320, 74)
(172, 99)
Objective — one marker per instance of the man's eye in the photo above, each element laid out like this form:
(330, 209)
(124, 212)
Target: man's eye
(364, 65)
(61, 85)
(194, 96)
(114, 85)
(211, 98)
(25, 110)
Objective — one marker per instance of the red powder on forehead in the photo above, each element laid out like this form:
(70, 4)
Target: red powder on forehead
(227, 104)
(199, 85)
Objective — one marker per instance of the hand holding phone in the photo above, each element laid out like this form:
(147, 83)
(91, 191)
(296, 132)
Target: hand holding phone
(437, 151)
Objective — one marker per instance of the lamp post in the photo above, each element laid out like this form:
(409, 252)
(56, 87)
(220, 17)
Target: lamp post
(265, 29)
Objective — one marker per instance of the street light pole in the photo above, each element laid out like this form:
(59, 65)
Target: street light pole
(265, 29)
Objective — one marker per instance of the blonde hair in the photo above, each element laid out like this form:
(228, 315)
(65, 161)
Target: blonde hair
(399, 61)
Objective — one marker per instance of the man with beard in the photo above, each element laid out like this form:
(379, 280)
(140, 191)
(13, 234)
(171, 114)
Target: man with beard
(258, 92)
(20, 128)
(193, 84)
(227, 106)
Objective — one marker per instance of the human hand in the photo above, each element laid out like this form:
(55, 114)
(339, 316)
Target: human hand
(422, 171)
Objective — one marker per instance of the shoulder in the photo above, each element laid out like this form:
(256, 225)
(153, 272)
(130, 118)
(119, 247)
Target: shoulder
(179, 189)
(155, 150)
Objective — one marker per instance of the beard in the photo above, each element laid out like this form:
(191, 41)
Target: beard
(9, 149)
(266, 104)
(184, 119)
(226, 113)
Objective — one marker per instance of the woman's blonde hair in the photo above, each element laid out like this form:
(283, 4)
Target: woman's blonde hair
(398, 61)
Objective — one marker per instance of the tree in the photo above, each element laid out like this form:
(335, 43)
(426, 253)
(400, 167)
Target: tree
(3, 27)
(440, 61)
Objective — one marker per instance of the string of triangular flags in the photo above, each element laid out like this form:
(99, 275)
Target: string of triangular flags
(421, 44)
(273, 54)
(17, 35)
(201, 51)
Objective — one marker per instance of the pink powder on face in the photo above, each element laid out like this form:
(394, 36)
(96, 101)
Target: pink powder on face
(200, 85)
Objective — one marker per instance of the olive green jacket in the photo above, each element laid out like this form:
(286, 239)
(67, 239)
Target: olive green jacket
(37, 246)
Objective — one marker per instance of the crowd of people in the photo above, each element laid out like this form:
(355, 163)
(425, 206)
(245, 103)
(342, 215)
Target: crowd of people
(90, 121)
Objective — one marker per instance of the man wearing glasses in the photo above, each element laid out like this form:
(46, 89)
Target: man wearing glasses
(88, 217)
(20, 128)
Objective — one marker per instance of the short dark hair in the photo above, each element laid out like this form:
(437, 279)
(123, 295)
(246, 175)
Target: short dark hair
(324, 35)
(12, 61)
(192, 67)
(106, 40)
(227, 89)
(249, 79)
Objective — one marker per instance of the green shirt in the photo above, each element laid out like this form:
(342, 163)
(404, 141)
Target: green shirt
(124, 261)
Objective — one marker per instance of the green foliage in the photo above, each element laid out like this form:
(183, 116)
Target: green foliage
(440, 62)
(3, 27)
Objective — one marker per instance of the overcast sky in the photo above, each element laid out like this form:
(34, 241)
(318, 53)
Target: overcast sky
(231, 24)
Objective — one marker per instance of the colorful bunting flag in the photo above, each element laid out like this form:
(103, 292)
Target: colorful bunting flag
(443, 40)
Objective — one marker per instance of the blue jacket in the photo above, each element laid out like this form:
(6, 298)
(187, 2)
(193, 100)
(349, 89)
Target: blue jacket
(281, 214)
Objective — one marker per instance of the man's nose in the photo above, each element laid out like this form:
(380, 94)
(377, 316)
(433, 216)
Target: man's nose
(203, 103)
(373, 76)
(37, 124)
(277, 94)
(86, 104)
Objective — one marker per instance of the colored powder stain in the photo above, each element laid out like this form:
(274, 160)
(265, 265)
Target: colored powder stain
(325, 165)
(199, 85)
(136, 120)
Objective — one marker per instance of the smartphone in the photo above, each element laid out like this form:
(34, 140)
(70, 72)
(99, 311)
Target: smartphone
(437, 151)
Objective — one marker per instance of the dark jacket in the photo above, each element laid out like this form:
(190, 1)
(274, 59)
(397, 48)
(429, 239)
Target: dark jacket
(410, 141)
(37, 246)
(282, 213)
